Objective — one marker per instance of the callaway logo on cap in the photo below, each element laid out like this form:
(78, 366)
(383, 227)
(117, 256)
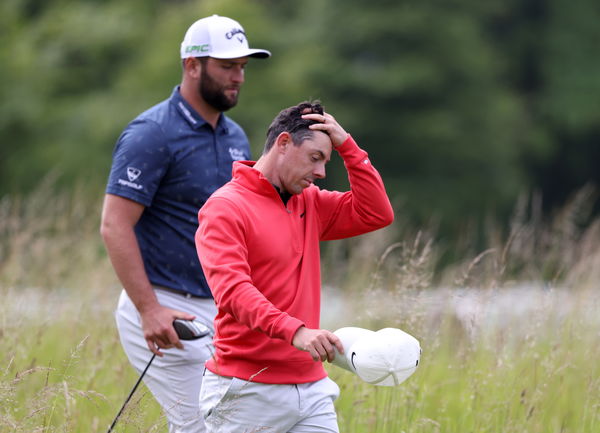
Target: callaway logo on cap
(218, 37)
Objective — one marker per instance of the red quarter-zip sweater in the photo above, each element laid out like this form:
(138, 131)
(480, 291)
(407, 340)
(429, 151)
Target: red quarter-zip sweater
(262, 262)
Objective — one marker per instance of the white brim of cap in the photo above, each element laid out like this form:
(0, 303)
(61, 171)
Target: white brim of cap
(252, 52)
(394, 377)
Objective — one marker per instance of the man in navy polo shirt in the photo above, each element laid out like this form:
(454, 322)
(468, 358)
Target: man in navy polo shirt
(166, 164)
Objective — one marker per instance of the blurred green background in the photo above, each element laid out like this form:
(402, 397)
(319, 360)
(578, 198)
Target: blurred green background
(463, 105)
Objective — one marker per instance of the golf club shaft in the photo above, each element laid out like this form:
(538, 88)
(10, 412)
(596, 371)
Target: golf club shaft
(131, 394)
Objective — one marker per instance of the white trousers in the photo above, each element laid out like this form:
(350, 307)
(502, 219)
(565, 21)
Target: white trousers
(174, 379)
(232, 405)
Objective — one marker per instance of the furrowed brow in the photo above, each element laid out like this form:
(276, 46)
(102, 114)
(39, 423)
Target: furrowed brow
(323, 156)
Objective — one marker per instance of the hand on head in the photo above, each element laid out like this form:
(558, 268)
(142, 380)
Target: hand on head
(327, 124)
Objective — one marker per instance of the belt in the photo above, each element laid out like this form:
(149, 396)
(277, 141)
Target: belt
(179, 292)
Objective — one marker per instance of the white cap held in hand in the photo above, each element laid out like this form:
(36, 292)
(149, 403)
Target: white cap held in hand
(386, 357)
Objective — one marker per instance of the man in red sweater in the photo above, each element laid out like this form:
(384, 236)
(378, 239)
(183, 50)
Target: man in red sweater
(258, 242)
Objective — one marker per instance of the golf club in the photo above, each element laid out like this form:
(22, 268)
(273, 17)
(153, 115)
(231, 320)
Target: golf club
(186, 330)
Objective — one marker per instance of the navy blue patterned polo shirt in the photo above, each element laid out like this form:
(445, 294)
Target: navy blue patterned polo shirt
(170, 160)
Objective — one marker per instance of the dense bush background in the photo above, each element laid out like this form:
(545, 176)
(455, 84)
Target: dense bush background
(463, 105)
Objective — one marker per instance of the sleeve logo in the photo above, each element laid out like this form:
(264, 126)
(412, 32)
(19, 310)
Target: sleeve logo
(132, 174)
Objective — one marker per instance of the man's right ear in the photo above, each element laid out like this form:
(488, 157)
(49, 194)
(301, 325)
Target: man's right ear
(192, 66)
(283, 141)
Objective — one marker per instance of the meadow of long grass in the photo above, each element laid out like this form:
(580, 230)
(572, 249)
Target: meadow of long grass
(509, 332)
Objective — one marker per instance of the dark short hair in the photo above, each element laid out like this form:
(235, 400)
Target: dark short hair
(290, 120)
(202, 61)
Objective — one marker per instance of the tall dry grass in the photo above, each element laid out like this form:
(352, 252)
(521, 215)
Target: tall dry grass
(49, 239)
(508, 331)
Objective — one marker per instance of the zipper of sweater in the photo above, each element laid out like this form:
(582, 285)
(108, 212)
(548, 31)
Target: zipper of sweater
(285, 206)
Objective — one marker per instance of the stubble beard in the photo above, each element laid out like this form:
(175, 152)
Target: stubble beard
(213, 93)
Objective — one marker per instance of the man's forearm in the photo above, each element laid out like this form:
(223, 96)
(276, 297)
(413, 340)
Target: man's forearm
(366, 207)
(368, 191)
(126, 258)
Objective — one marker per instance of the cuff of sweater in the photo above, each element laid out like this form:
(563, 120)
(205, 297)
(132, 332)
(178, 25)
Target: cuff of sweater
(288, 327)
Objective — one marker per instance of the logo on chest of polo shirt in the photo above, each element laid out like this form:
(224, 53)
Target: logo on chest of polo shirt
(132, 174)
(236, 154)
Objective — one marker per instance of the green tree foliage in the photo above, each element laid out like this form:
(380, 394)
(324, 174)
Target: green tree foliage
(462, 104)
(60, 63)
(567, 99)
(421, 82)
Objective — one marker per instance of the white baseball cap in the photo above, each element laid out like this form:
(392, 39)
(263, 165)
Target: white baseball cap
(218, 37)
(386, 357)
